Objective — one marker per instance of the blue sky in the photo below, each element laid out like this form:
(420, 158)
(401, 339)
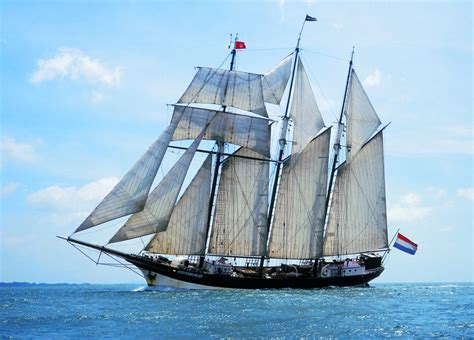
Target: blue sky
(84, 88)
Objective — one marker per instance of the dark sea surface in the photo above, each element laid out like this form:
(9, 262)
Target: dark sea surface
(384, 310)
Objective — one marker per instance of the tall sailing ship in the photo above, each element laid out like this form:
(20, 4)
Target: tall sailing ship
(273, 204)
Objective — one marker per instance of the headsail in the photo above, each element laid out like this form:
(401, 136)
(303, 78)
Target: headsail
(299, 214)
(186, 232)
(246, 131)
(362, 120)
(240, 218)
(275, 81)
(304, 112)
(358, 213)
(237, 89)
(130, 194)
(159, 206)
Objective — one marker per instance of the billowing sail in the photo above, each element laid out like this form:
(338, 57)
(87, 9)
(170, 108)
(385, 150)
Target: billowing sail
(159, 206)
(130, 194)
(275, 81)
(237, 89)
(186, 232)
(362, 120)
(249, 132)
(240, 218)
(298, 223)
(307, 120)
(358, 213)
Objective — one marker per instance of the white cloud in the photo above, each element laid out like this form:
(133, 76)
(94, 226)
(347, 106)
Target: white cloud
(72, 198)
(372, 80)
(409, 208)
(72, 63)
(467, 193)
(410, 199)
(12, 149)
(7, 189)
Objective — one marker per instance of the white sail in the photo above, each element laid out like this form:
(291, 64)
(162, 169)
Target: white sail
(249, 132)
(304, 112)
(159, 206)
(358, 213)
(362, 120)
(130, 194)
(298, 223)
(186, 232)
(275, 81)
(240, 218)
(237, 89)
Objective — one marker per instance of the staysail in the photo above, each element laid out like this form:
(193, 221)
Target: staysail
(297, 229)
(240, 218)
(159, 206)
(130, 194)
(358, 213)
(186, 232)
(275, 81)
(246, 131)
(237, 89)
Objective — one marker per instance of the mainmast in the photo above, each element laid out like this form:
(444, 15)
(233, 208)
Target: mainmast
(220, 151)
(282, 140)
(337, 142)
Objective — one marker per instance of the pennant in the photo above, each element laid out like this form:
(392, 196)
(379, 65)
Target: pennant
(309, 18)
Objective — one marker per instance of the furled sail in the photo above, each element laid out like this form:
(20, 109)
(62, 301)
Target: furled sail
(358, 213)
(240, 218)
(130, 194)
(275, 81)
(249, 132)
(237, 89)
(304, 112)
(298, 223)
(362, 120)
(158, 208)
(186, 232)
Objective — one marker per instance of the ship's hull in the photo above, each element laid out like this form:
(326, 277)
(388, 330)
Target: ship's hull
(163, 274)
(158, 274)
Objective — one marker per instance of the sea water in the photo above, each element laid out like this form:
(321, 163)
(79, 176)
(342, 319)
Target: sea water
(383, 310)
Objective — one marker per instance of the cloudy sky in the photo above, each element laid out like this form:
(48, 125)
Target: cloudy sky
(85, 87)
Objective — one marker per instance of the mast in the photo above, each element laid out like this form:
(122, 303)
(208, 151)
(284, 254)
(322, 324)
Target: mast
(282, 141)
(220, 151)
(337, 142)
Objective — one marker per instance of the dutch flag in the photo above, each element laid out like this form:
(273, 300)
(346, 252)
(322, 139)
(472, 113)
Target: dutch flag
(404, 244)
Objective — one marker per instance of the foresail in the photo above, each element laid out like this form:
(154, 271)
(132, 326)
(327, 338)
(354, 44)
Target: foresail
(130, 194)
(240, 218)
(297, 228)
(275, 81)
(237, 89)
(358, 213)
(159, 206)
(246, 131)
(186, 232)
(304, 112)
(362, 120)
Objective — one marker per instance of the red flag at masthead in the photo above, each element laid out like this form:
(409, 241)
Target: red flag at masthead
(239, 45)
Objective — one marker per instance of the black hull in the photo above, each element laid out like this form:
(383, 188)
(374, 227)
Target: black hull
(151, 267)
(227, 281)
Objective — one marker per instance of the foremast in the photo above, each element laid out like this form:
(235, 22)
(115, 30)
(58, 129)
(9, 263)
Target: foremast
(220, 151)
